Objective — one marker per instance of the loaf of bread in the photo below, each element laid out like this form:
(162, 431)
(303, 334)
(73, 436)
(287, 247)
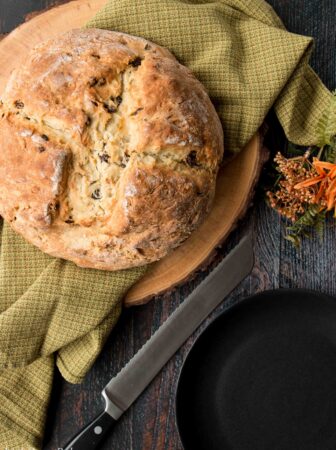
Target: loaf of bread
(109, 150)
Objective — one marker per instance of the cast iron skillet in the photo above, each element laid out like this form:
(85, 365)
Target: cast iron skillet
(262, 376)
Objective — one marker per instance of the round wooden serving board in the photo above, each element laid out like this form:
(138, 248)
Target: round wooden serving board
(235, 182)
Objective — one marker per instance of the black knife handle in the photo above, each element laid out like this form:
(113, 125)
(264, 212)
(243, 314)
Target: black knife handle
(93, 434)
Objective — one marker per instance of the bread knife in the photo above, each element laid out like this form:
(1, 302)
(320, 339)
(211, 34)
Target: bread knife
(129, 383)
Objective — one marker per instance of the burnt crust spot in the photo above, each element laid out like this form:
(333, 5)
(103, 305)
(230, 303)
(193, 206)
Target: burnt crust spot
(44, 137)
(41, 149)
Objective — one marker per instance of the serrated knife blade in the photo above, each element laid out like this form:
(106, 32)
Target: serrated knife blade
(130, 382)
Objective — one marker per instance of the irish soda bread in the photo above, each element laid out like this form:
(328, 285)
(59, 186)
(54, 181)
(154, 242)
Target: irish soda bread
(109, 150)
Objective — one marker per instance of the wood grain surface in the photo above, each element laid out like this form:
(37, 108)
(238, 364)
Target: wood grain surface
(235, 181)
(150, 423)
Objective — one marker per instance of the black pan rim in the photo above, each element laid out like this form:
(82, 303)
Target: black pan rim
(235, 306)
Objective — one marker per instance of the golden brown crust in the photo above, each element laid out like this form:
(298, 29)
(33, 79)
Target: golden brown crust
(109, 150)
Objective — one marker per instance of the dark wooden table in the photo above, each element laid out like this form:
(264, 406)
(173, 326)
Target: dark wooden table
(150, 423)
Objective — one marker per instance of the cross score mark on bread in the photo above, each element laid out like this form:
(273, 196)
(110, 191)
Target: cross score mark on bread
(109, 150)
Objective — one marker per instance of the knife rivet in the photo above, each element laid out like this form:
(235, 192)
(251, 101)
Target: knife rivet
(98, 430)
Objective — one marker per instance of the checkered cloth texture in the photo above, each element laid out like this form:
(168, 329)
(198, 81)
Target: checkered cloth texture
(241, 52)
(51, 310)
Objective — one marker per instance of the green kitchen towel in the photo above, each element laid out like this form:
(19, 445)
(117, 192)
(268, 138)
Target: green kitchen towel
(241, 52)
(51, 310)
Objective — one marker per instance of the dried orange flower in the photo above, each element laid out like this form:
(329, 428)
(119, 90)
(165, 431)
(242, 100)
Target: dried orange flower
(306, 187)
(296, 188)
(324, 181)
